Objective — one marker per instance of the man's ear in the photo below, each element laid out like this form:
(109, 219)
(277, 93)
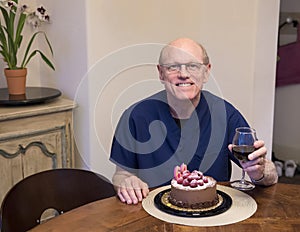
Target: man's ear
(161, 76)
(206, 73)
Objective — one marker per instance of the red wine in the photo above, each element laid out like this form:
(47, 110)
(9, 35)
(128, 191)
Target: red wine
(242, 152)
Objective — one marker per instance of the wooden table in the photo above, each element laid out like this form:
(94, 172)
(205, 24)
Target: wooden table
(278, 210)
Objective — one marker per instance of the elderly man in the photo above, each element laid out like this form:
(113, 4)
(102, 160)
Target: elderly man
(181, 124)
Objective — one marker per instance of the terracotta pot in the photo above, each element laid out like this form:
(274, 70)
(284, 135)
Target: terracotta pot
(16, 81)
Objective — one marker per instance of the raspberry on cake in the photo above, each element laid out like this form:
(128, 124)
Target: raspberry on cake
(192, 189)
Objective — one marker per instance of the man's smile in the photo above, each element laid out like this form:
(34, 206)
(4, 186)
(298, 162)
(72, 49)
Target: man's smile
(184, 84)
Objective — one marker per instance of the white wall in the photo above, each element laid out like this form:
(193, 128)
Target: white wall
(238, 37)
(67, 33)
(105, 53)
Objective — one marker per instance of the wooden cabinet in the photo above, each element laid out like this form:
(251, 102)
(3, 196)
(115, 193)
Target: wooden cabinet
(34, 138)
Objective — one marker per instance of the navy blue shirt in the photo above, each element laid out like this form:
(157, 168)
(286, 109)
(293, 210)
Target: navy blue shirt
(149, 143)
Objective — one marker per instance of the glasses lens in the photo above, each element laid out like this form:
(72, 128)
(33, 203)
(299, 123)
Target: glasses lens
(173, 68)
(190, 67)
(193, 67)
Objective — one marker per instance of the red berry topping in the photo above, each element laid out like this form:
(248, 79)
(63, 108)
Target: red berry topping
(194, 183)
(196, 177)
(200, 174)
(193, 177)
(200, 182)
(190, 178)
(185, 182)
(180, 180)
(185, 174)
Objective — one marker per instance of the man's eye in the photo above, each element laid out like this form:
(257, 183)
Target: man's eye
(193, 66)
(173, 67)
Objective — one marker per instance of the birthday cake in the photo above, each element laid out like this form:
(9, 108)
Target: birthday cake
(192, 189)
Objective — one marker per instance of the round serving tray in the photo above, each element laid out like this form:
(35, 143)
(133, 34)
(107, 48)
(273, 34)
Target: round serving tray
(33, 95)
(243, 206)
(161, 202)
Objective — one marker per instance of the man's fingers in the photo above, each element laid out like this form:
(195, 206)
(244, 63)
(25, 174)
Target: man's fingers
(230, 147)
(261, 152)
(145, 189)
(120, 195)
(133, 197)
(136, 190)
(259, 143)
(124, 195)
(132, 190)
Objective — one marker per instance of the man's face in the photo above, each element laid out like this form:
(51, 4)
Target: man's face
(183, 73)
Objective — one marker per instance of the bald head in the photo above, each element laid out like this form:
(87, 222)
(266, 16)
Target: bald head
(185, 46)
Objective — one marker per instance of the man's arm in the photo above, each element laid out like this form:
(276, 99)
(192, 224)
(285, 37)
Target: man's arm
(270, 176)
(261, 170)
(130, 189)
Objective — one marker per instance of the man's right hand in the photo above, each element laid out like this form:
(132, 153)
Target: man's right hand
(130, 189)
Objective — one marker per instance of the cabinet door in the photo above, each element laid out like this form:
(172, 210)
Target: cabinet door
(30, 154)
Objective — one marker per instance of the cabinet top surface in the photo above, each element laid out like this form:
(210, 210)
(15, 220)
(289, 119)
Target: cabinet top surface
(57, 105)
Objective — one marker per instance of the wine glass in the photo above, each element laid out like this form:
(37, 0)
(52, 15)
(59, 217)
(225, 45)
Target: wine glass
(243, 145)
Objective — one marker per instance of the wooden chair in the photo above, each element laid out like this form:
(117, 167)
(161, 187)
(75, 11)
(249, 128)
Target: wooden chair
(58, 189)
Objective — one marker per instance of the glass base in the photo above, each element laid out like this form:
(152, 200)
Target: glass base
(242, 185)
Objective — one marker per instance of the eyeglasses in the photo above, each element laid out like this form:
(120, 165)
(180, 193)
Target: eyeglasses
(190, 67)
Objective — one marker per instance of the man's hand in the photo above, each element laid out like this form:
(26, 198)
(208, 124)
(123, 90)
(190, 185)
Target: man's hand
(130, 189)
(256, 165)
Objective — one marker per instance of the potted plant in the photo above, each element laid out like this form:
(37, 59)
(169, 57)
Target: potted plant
(12, 24)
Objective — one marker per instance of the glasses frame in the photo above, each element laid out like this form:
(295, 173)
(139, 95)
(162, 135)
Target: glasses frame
(178, 67)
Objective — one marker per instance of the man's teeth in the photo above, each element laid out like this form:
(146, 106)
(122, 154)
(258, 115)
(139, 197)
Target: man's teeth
(184, 84)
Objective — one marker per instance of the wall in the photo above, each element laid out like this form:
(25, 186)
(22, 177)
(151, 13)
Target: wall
(287, 112)
(106, 51)
(122, 59)
(68, 35)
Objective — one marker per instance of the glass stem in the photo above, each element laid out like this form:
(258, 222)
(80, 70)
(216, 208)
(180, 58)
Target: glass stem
(242, 181)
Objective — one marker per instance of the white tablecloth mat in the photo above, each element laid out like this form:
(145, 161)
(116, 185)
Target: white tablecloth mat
(243, 206)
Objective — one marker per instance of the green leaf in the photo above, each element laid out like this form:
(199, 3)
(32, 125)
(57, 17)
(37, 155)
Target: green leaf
(12, 52)
(8, 40)
(11, 28)
(20, 26)
(5, 15)
(26, 60)
(43, 57)
(46, 60)
(3, 39)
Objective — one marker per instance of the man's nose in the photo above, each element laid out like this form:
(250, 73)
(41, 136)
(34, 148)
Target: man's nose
(183, 71)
